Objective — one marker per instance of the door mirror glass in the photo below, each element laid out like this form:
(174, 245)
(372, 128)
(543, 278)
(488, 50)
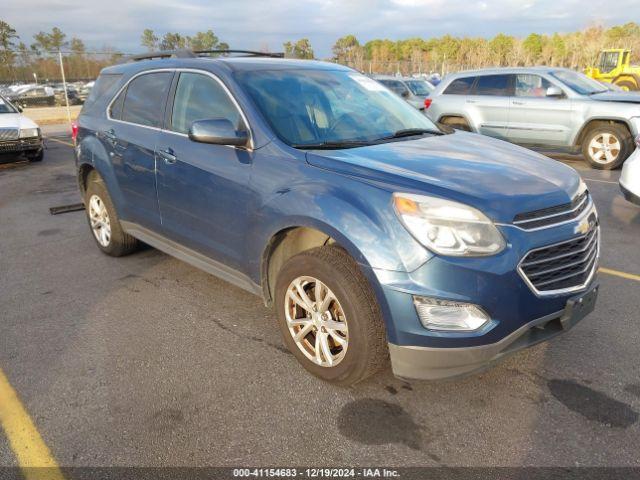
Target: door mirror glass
(554, 92)
(405, 94)
(218, 132)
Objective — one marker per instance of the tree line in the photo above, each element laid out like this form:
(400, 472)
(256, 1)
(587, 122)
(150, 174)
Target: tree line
(19, 61)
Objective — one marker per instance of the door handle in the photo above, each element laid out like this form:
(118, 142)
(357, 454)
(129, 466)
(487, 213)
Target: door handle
(516, 102)
(472, 101)
(168, 156)
(110, 135)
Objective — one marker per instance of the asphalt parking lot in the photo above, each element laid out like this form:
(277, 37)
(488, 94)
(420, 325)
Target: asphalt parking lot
(146, 361)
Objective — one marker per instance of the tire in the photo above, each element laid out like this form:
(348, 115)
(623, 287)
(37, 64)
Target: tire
(616, 136)
(456, 123)
(627, 85)
(118, 243)
(37, 157)
(366, 349)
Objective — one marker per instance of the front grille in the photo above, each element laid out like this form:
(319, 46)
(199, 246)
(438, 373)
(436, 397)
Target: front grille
(20, 145)
(563, 266)
(9, 134)
(547, 217)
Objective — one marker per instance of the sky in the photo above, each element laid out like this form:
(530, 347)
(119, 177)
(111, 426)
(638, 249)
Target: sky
(258, 24)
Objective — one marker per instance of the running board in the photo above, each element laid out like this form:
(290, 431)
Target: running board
(192, 257)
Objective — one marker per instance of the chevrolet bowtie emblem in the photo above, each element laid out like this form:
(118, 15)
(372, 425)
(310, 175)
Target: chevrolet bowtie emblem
(583, 227)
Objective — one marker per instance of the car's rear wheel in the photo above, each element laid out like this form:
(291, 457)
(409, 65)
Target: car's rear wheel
(606, 146)
(329, 316)
(103, 220)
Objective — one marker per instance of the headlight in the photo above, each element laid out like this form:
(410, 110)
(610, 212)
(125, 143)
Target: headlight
(29, 132)
(446, 227)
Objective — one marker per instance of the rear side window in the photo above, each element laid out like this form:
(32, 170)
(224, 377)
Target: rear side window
(460, 86)
(115, 111)
(493, 85)
(394, 85)
(145, 98)
(200, 97)
(103, 88)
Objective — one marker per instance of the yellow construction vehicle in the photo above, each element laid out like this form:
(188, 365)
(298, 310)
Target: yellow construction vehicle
(614, 66)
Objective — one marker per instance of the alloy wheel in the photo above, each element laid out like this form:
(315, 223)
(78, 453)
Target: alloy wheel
(604, 148)
(99, 219)
(316, 321)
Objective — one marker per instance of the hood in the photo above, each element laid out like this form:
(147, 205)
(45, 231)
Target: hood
(16, 120)
(626, 97)
(498, 178)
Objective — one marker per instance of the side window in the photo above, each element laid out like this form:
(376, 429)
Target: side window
(531, 86)
(145, 98)
(115, 111)
(395, 86)
(493, 85)
(460, 86)
(200, 97)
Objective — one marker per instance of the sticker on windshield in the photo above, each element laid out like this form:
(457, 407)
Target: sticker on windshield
(367, 83)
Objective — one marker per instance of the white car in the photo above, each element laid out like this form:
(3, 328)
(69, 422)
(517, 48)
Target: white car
(19, 135)
(630, 176)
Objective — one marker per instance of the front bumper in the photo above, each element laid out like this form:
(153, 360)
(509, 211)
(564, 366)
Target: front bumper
(424, 363)
(33, 144)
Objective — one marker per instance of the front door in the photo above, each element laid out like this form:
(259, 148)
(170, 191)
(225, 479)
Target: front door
(535, 118)
(203, 188)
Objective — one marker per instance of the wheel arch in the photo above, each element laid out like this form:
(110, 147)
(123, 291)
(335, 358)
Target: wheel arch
(458, 115)
(599, 120)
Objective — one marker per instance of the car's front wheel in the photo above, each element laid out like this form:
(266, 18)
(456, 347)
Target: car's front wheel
(606, 146)
(103, 220)
(329, 316)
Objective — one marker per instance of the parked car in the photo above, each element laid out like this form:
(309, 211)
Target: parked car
(630, 176)
(72, 95)
(19, 135)
(413, 90)
(542, 107)
(32, 96)
(373, 232)
(84, 90)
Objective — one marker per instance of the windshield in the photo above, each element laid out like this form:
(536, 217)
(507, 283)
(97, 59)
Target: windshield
(6, 107)
(312, 107)
(419, 87)
(578, 82)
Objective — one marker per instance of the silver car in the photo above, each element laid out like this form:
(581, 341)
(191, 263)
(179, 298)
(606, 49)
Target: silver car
(546, 107)
(413, 90)
(630, 176)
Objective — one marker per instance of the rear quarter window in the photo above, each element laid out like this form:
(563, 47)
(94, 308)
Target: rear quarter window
(460, 86)
(102, 91)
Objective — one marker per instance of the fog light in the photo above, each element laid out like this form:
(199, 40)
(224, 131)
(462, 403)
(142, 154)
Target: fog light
(453, 316)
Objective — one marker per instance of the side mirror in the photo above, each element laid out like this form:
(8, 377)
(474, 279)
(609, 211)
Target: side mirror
(554, 92)
(19, 109)
(405, 94)
(218, 132)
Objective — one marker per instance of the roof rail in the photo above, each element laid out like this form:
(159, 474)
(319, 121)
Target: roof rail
(250, 53)
(185, 53)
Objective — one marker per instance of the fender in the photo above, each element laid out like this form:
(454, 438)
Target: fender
(576, 140)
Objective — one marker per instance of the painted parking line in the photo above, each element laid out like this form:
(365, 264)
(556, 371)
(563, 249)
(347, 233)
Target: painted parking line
(33, 456)
(618, 273)
(599, 181)
(60, 141)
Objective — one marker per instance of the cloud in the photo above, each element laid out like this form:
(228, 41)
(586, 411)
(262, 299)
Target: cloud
(259, 23)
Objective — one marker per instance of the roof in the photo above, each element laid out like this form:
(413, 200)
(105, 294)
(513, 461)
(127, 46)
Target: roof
(231, 63)
(506, 70)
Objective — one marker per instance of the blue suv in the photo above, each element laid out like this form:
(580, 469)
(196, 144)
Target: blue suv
(375, 233)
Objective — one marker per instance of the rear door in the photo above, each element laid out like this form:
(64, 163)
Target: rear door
(488, 104)
(203, 188)
(535, 118)
(137, 115)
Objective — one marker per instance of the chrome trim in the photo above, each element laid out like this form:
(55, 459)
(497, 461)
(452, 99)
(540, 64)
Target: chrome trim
(537, 262)
(192, 70)
(562, 291)
(587, 211)
(565, 212)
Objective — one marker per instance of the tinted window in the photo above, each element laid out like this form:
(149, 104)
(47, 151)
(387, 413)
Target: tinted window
(200, 97)
(394, 85)
(531, 86)
(105, 84)
(460, 86)
(115, 111)
(497, 85)
(145, 98)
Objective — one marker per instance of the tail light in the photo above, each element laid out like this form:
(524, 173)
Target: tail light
(427, 102)
(74, 131)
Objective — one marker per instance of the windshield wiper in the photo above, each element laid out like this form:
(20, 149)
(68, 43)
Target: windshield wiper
(411, 132)
(331, 145)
